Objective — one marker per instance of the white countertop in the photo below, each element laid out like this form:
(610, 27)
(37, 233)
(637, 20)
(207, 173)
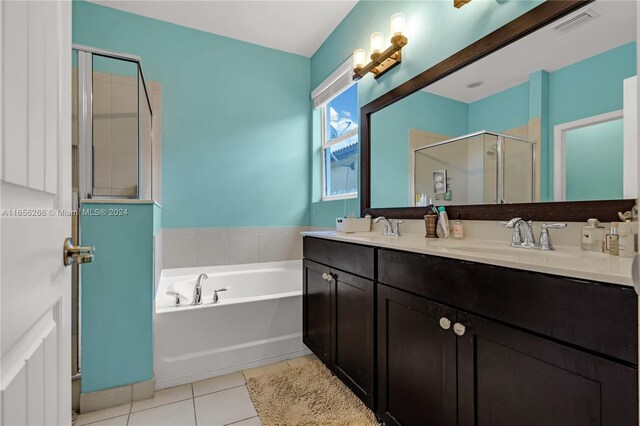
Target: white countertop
(566, 261)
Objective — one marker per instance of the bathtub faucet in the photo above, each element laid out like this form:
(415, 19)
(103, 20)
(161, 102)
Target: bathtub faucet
(197, 290)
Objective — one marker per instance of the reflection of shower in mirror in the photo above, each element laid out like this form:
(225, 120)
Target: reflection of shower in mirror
(478, 168)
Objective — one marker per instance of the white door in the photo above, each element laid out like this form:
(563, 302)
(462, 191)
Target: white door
(35, 174)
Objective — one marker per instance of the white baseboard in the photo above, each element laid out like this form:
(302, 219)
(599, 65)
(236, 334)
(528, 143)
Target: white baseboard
(230, 369)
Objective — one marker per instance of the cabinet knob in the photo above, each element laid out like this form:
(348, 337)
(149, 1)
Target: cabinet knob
(327, 277)
(445, 323)
(324, 275)
(459, 329)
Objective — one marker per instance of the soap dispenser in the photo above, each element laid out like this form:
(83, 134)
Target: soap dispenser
(593, 236)
(458, 228)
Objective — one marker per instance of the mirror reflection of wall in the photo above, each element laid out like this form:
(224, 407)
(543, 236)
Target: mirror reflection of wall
(592, 158)
(534, 89)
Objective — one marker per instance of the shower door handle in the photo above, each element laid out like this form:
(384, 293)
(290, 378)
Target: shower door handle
(76, 254)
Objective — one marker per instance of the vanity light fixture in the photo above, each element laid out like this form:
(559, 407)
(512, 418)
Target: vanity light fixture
(382, 60)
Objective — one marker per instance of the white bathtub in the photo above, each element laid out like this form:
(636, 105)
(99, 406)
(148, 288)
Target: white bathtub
(257, 321)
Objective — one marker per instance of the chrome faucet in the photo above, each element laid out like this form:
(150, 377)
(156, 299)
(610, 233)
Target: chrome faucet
(528, 241)
(391, 227)
(518, 229)
(197, 290)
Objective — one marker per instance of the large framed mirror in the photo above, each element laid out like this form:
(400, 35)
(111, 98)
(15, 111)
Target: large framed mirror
(538, 119)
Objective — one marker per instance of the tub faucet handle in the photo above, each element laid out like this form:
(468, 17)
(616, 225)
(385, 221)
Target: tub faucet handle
(215, 294)
(176, 295)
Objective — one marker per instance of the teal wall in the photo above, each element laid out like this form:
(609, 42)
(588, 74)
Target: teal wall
(390, 140)
(235, 132)
(435, 31)
(117, 296)
(594, 158)
(587, 88)
(502, 111)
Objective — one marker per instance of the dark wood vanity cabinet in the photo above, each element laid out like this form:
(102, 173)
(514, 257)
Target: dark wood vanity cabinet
(530, 349)
(338, 313)
(461, 343)
(316, 310)
(416, 360)
(511, 377)
(352, 334)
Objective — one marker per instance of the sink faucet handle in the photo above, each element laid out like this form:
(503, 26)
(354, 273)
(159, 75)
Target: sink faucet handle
(553, 225)
(545, 238)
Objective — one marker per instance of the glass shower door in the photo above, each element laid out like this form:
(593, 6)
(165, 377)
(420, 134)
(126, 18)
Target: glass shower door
(115, 128)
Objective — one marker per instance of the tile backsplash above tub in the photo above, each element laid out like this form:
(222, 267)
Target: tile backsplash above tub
(187, 247)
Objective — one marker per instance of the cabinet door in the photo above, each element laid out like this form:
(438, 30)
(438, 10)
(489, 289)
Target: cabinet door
(416, 360)
(509, 377)
(316, 310)
(352, 334)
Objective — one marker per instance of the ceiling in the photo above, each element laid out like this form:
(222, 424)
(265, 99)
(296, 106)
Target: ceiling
(543, 50)
(298, 27)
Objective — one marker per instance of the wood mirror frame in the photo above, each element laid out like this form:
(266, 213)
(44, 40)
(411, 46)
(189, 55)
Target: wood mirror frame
(571, 211)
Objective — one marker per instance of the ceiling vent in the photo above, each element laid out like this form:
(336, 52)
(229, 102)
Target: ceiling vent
(574, 21)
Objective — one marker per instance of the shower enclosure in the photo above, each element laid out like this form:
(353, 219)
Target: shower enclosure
(478, 168)
(111, 142)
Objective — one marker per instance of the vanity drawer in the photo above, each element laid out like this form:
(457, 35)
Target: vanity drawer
(357, 259)
(599, 317)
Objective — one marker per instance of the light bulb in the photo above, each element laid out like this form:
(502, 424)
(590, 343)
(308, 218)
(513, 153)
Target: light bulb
(397, 24)
(358, 58)
(377, 42)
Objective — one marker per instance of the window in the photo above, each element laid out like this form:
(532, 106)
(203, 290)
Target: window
(340, 146)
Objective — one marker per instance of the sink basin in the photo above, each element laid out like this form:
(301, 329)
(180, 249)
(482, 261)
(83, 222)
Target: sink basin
(503, 251)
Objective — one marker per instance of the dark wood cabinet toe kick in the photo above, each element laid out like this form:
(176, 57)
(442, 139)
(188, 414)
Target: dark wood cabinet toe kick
(430, 340)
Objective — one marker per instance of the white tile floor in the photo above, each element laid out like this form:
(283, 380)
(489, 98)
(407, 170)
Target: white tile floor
(220, 401)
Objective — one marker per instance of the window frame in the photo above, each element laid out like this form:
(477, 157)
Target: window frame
(327, 144)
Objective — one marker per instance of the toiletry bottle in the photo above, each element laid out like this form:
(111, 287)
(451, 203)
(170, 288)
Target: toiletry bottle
(593, 236)
(431, 223)
(613, 240)
(443, 223)
(626, 240)
(458, 228)
(607, 237)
